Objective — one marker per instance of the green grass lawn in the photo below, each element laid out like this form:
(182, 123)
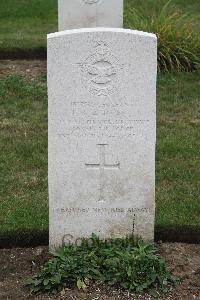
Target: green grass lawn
(23, 124)
(23, 148)
(24, 24)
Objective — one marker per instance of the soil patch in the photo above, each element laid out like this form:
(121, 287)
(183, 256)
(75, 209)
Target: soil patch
(27, 68)
(18, 264)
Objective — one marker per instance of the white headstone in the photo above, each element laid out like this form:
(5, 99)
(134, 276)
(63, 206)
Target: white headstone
(102, 133)
(73, 14)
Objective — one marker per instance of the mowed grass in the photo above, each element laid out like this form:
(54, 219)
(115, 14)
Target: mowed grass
(23, 124)
(23, 161)
(23, 148)
(178, 149)
(24, 24)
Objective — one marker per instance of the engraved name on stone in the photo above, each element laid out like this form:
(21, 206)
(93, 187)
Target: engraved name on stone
(103, 119)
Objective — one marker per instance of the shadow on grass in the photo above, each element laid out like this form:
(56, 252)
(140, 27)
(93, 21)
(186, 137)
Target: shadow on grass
(181, 234)
(17, 53)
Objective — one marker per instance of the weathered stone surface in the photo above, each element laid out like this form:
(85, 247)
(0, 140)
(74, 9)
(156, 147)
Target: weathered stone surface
(102, 133)
(73, 14)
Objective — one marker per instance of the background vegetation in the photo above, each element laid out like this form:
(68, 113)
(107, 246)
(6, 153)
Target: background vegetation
(23, 123)
(24, 25)
(130, 264)
(23, 148)
(178, 41)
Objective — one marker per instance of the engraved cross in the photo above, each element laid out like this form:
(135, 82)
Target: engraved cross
(102, 166)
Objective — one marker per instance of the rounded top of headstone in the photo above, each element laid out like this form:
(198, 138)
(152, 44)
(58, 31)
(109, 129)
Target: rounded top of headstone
(101, 29)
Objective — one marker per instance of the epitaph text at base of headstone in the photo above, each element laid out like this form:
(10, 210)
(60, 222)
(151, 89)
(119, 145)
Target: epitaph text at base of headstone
(102, 133)
(73, 14)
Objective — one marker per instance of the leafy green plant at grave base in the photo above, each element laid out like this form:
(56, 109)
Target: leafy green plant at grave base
(129, 263)
(178, 44)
